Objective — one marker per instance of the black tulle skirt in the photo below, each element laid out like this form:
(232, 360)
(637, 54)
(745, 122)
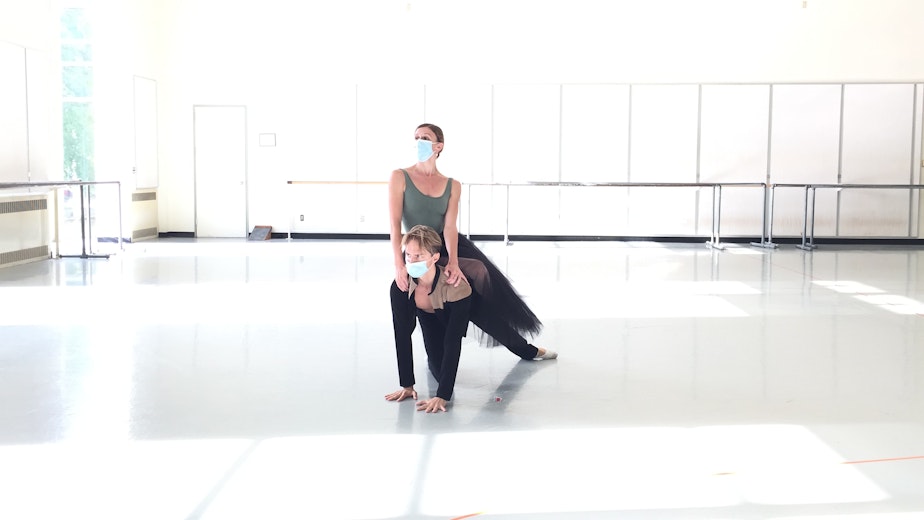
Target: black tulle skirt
(498, 297)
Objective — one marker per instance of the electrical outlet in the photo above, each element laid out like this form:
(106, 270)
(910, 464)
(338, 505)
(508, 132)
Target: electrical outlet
(362, 218)
(301, 218)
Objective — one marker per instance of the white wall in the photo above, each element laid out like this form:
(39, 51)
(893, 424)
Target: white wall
(126, 43)
(573, 41)
(343, 83)
(30, 148)
(28, 24)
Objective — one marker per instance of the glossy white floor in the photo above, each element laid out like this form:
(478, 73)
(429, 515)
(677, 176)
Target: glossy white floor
(234, 380)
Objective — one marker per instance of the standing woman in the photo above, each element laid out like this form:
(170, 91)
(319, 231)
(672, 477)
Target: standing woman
(421, 195)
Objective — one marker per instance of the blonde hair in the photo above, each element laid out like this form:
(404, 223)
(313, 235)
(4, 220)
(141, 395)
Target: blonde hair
(426, 236)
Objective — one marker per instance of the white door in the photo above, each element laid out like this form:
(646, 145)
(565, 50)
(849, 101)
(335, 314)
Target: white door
(221, 171)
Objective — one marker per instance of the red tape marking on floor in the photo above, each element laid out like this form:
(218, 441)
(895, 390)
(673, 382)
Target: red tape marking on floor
(846, 462)
(883, 460)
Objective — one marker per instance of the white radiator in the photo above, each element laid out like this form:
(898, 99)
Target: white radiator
(24, 229)
(144, 215)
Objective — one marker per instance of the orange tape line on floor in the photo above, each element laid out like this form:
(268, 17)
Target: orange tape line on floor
(883, 460)
(846, 462)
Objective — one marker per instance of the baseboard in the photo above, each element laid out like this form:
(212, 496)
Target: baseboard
(703, 239)
(23, 256)
(609, 238)
(333, 236)
(113, 240)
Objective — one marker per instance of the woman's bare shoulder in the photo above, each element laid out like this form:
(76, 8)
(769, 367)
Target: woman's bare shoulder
(397, 176)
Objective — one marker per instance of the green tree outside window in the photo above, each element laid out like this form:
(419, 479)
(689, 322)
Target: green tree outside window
(77, 95)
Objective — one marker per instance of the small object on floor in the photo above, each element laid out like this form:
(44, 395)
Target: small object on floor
(498, 398)
(549, 354)
(261, 233)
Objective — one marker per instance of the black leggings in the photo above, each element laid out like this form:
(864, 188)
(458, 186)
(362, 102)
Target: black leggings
(404, 314)
(499, 329)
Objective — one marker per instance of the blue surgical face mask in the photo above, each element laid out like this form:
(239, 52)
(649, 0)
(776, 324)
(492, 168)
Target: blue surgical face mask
(424, 150)
(417, 269)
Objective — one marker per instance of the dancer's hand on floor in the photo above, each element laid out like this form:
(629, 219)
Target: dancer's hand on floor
(402, 394)
(432, 405)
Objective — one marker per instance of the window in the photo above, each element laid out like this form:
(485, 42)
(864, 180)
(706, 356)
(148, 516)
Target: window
(77, 94)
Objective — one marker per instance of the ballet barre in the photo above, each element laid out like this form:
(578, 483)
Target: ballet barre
(767, 207)
(808, 224)
(715, 231)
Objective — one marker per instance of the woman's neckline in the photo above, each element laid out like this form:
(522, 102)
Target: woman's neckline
(411, 178)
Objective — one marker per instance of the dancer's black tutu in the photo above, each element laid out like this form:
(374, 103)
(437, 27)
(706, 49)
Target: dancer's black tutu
(498, 297)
